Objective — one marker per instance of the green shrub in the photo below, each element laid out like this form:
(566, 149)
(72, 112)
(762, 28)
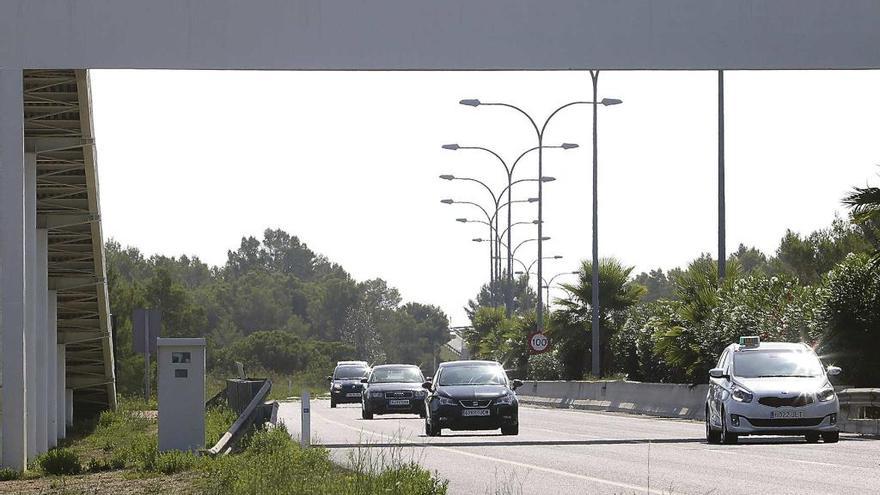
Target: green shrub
(7, 474)
(98, 465)
(60, 462)
(545, 367)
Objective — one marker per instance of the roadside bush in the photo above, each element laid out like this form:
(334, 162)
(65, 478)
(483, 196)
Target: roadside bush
(98, 465)
(545, 367)
(853, 314)
(7, 474)
(60, 461)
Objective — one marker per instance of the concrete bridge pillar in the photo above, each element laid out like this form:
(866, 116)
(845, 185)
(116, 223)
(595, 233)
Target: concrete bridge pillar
(30, 296)
(52, 367)
(12, 274)
(61, 391)
(41, 340)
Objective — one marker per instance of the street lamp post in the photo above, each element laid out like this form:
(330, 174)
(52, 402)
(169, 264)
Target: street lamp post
(550, 283)
(489, 223)
(496, 267)
(539, 131)
(510, 182)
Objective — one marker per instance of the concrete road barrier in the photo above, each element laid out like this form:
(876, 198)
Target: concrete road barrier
(858, 407)
(670, 400)
(859, 410)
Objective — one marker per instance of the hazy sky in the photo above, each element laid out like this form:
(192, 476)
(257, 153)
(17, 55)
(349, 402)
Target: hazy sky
(348, 161)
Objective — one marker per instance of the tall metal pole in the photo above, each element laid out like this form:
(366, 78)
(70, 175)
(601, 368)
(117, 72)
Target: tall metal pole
(722, 227)
(497, 243)
(596, 354)
(540, 308)
(491, 265)
(509, 284)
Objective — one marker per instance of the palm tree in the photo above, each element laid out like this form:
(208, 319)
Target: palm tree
(864, 203)
(572, 321)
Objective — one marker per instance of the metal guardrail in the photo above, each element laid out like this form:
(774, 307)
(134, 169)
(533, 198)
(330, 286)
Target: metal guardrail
(245, 419)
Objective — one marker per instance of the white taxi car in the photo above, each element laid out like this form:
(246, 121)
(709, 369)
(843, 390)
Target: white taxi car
(771, 388)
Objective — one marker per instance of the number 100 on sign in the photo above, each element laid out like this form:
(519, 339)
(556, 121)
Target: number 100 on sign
(538, 343)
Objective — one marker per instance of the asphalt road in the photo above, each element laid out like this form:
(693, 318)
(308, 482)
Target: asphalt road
(565, 451)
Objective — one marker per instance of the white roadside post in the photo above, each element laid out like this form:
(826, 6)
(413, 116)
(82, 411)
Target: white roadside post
(305, 436)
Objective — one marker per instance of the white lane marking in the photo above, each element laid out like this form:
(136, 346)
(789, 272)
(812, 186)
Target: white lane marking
(557, 472)
(759, 456)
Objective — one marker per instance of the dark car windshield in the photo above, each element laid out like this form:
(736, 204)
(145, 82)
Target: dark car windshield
(766, 364)
(349, 372)
(473, 375)
(397, 375)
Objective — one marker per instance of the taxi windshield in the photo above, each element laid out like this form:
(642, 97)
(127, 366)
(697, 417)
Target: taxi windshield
(397, 375)
(473, 375)
(349, 372)
(776, 363)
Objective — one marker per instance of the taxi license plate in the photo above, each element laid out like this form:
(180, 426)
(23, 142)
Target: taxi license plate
(475, 412)
(786, 414)
(398, 402)
(355, 394)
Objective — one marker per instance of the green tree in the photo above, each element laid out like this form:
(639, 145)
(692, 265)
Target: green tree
(864, 203)
(571, 324)
(524, 297)
(853, 314)
(657, 285)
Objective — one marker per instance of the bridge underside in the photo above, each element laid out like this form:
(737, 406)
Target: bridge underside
(58, 129)
(57, 347)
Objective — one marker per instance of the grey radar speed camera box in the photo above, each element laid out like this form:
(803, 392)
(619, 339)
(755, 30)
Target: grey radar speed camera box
(181, 368)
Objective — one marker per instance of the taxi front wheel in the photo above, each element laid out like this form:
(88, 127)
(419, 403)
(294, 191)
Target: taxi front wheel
(727, 437)
(712, 436)
(831, 437)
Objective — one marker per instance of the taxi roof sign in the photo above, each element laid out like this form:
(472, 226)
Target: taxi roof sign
(750, 341)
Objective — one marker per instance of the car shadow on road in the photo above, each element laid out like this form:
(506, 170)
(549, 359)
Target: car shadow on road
(510, 442)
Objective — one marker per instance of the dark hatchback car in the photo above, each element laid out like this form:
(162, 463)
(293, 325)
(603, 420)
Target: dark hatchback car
(393, 389)
(471, 395)
(345, 383)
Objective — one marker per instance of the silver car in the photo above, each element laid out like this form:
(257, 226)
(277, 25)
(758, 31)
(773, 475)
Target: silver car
(771, 388)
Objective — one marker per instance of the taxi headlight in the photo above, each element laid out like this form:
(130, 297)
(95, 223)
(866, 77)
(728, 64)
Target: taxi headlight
(377, 395)
(419, 394)
(504, 400)
(337, 387)
(740, 394)
(825, 394)
(446, 401)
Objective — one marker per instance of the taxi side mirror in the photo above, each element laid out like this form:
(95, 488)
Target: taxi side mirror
(329, 378)
(517, 384)
(426, 385)
(718, 373)
(833, 371)
(363, 380)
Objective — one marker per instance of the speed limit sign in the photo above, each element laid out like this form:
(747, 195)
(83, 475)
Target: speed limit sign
(538, 343)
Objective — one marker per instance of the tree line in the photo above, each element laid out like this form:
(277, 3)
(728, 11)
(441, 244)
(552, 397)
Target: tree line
(275, 305)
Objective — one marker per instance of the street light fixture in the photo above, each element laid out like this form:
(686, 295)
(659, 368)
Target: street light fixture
(510, 182)
(539, 131)
(550, 283)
